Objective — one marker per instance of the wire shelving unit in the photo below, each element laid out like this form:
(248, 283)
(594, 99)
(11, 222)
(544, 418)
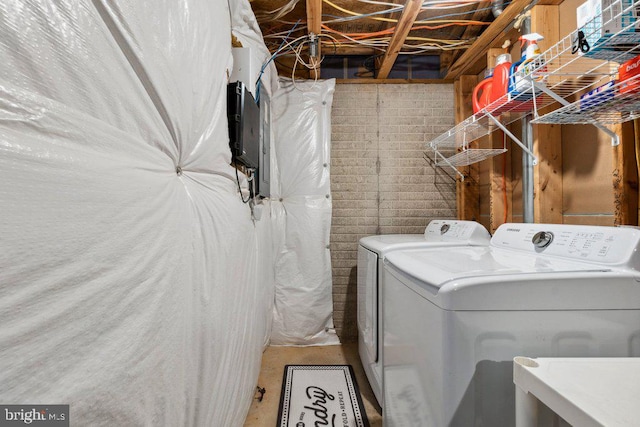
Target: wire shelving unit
(554, 81)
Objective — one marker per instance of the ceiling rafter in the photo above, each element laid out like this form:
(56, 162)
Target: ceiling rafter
(447, 58)
(493, 36)
(408, 17)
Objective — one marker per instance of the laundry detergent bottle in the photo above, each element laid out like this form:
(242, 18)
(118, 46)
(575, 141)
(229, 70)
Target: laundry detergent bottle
(482, 94)
(500, 79)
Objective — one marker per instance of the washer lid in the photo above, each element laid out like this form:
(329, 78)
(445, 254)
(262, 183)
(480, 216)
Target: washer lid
(438, 267)
(440, 232)
(388, 242)
(489, 278)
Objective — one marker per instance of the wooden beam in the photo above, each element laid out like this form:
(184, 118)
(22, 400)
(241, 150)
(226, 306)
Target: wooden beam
(314, 25)
(636, 127)
(467, 191)
(364, 51)
(547, 175)
(625, 177)
(547, 139)
(464, 33)
(493, 36)
(500, 185)
(408, 17)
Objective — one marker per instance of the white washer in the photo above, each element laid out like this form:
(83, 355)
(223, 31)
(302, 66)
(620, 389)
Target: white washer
(371, 253)
(454, 318)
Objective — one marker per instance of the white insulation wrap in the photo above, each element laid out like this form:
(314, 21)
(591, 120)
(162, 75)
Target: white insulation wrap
(246, 29)
(303, 313)
(129, 285)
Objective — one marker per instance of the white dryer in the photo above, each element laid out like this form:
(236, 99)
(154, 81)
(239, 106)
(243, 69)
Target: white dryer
(454, 318)
(371, 253)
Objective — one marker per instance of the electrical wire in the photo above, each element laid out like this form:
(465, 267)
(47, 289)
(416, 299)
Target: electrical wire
(383, 12)
(378, 40)
(264, 66)
(369, 15)
(276, 13)
(358, 36)
(506, 3)
(381, 3)
(449, 4)
(437, 4)
(313, 63)
(240, 189)
(382, 42)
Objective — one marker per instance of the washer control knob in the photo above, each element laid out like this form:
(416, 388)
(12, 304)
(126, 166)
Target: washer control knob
(542, 239)
(444, 228)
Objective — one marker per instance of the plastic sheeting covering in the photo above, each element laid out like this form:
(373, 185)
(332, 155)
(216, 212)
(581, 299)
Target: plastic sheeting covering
(129, 282)
(303, 312)
(246, 29)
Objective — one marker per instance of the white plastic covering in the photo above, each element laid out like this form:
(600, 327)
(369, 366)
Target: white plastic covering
(245, 28)
(302, 205)
(128, 289)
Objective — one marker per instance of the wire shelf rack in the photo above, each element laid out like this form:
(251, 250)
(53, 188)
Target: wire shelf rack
(474, 155)
(617, 103)
(558, 76)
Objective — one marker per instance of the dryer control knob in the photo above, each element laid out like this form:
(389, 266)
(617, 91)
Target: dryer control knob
(542, 239)
(444, 228)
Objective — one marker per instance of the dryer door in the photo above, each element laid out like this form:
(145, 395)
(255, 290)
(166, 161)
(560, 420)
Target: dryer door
(368, 301)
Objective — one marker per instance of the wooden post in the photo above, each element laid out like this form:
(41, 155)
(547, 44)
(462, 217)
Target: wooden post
(636, 127)
(547, 139)
(500, 188)
(547, 176)
(467, 191)
(625, 176)
(314, 25)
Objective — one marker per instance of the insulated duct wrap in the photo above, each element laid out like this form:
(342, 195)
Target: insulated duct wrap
(129, 282)
(302, 126)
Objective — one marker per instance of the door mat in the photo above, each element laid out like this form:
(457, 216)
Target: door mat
(320, 395)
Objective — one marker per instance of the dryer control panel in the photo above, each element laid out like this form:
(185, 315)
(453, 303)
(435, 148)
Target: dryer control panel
(444, 230)
(606, 245)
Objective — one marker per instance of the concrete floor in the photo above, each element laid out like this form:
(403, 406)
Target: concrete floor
(274, 359)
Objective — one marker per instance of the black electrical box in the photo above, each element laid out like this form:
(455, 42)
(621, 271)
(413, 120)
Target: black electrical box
(243, 115)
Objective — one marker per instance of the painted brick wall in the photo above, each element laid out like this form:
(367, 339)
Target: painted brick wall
(380, 181)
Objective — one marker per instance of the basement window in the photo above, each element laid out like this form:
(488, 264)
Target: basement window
(361, 66)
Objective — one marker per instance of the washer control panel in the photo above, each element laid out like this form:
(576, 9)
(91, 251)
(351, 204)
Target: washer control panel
(608, 245)
(469, 232)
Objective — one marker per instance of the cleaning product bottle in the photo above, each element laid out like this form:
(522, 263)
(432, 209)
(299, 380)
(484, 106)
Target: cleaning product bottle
(500, 80)
(516, 83)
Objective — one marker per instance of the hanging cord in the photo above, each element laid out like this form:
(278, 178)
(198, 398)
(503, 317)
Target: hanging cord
(274, 15)
(259, 81)
(240, 189)
(313, 63)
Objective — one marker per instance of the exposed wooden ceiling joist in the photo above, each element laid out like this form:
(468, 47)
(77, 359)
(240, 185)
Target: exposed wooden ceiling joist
(491, 37)
(408, 17)
(464, 33)
(314, 25)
